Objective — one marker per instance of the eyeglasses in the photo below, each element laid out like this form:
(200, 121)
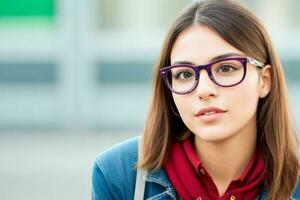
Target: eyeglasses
(227, 72)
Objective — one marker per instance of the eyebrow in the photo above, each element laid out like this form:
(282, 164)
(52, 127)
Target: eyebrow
(211, 60)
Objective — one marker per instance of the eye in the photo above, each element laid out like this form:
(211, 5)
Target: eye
(183, 75)
(226, 68)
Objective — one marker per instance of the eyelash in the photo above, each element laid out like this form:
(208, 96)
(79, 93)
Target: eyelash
(180, 73)
(232, 67)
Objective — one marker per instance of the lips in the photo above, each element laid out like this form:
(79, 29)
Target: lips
(209, 111)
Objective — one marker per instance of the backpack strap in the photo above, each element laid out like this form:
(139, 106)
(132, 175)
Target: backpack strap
(139, 182)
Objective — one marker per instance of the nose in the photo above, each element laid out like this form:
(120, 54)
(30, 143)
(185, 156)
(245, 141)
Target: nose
(206, 88)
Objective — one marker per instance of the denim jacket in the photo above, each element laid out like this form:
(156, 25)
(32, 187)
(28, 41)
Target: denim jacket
(114, 175)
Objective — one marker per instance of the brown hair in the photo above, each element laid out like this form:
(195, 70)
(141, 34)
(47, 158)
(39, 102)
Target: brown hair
(276, 134)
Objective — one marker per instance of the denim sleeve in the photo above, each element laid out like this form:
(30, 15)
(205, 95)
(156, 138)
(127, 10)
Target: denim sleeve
(100, 188)
(114, 172)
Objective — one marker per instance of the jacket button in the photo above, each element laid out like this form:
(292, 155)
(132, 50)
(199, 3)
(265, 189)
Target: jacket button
(232, 197)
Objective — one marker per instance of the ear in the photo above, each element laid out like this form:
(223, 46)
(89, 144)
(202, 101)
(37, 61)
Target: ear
(265, 81)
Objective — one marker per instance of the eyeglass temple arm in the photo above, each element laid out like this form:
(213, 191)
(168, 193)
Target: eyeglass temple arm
(255, 62)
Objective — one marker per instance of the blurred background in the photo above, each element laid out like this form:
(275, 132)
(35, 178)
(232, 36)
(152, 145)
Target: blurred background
(75, 78)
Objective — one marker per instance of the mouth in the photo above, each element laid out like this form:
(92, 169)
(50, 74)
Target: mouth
(210, 114)
(210, 111)
(211, 117)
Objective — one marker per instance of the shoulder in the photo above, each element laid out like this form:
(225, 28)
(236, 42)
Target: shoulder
(125, 151)
(114, 171)
(296, 194)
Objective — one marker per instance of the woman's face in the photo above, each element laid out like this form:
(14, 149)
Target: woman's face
(198, 45)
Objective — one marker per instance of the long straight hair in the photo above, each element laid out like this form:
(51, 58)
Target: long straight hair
(276, 134)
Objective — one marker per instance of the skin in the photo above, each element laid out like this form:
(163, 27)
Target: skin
(227, 144)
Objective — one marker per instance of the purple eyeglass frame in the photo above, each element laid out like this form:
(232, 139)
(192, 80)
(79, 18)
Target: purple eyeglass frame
(244, 60)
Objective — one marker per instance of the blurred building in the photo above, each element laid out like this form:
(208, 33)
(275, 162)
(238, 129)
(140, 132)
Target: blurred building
(87, 65)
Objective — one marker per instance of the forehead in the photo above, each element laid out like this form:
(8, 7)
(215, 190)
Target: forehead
(199, 44)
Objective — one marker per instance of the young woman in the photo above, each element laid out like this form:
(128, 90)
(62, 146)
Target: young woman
(219, 126)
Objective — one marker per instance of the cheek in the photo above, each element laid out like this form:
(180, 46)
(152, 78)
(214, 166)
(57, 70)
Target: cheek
(243, 100)
(181, 103)
(184, 105)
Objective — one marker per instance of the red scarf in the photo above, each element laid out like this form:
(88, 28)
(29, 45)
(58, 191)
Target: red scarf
(183, 165)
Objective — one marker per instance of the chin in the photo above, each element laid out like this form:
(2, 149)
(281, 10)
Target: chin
(212, 137)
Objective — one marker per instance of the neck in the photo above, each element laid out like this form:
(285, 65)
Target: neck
(226, 160)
